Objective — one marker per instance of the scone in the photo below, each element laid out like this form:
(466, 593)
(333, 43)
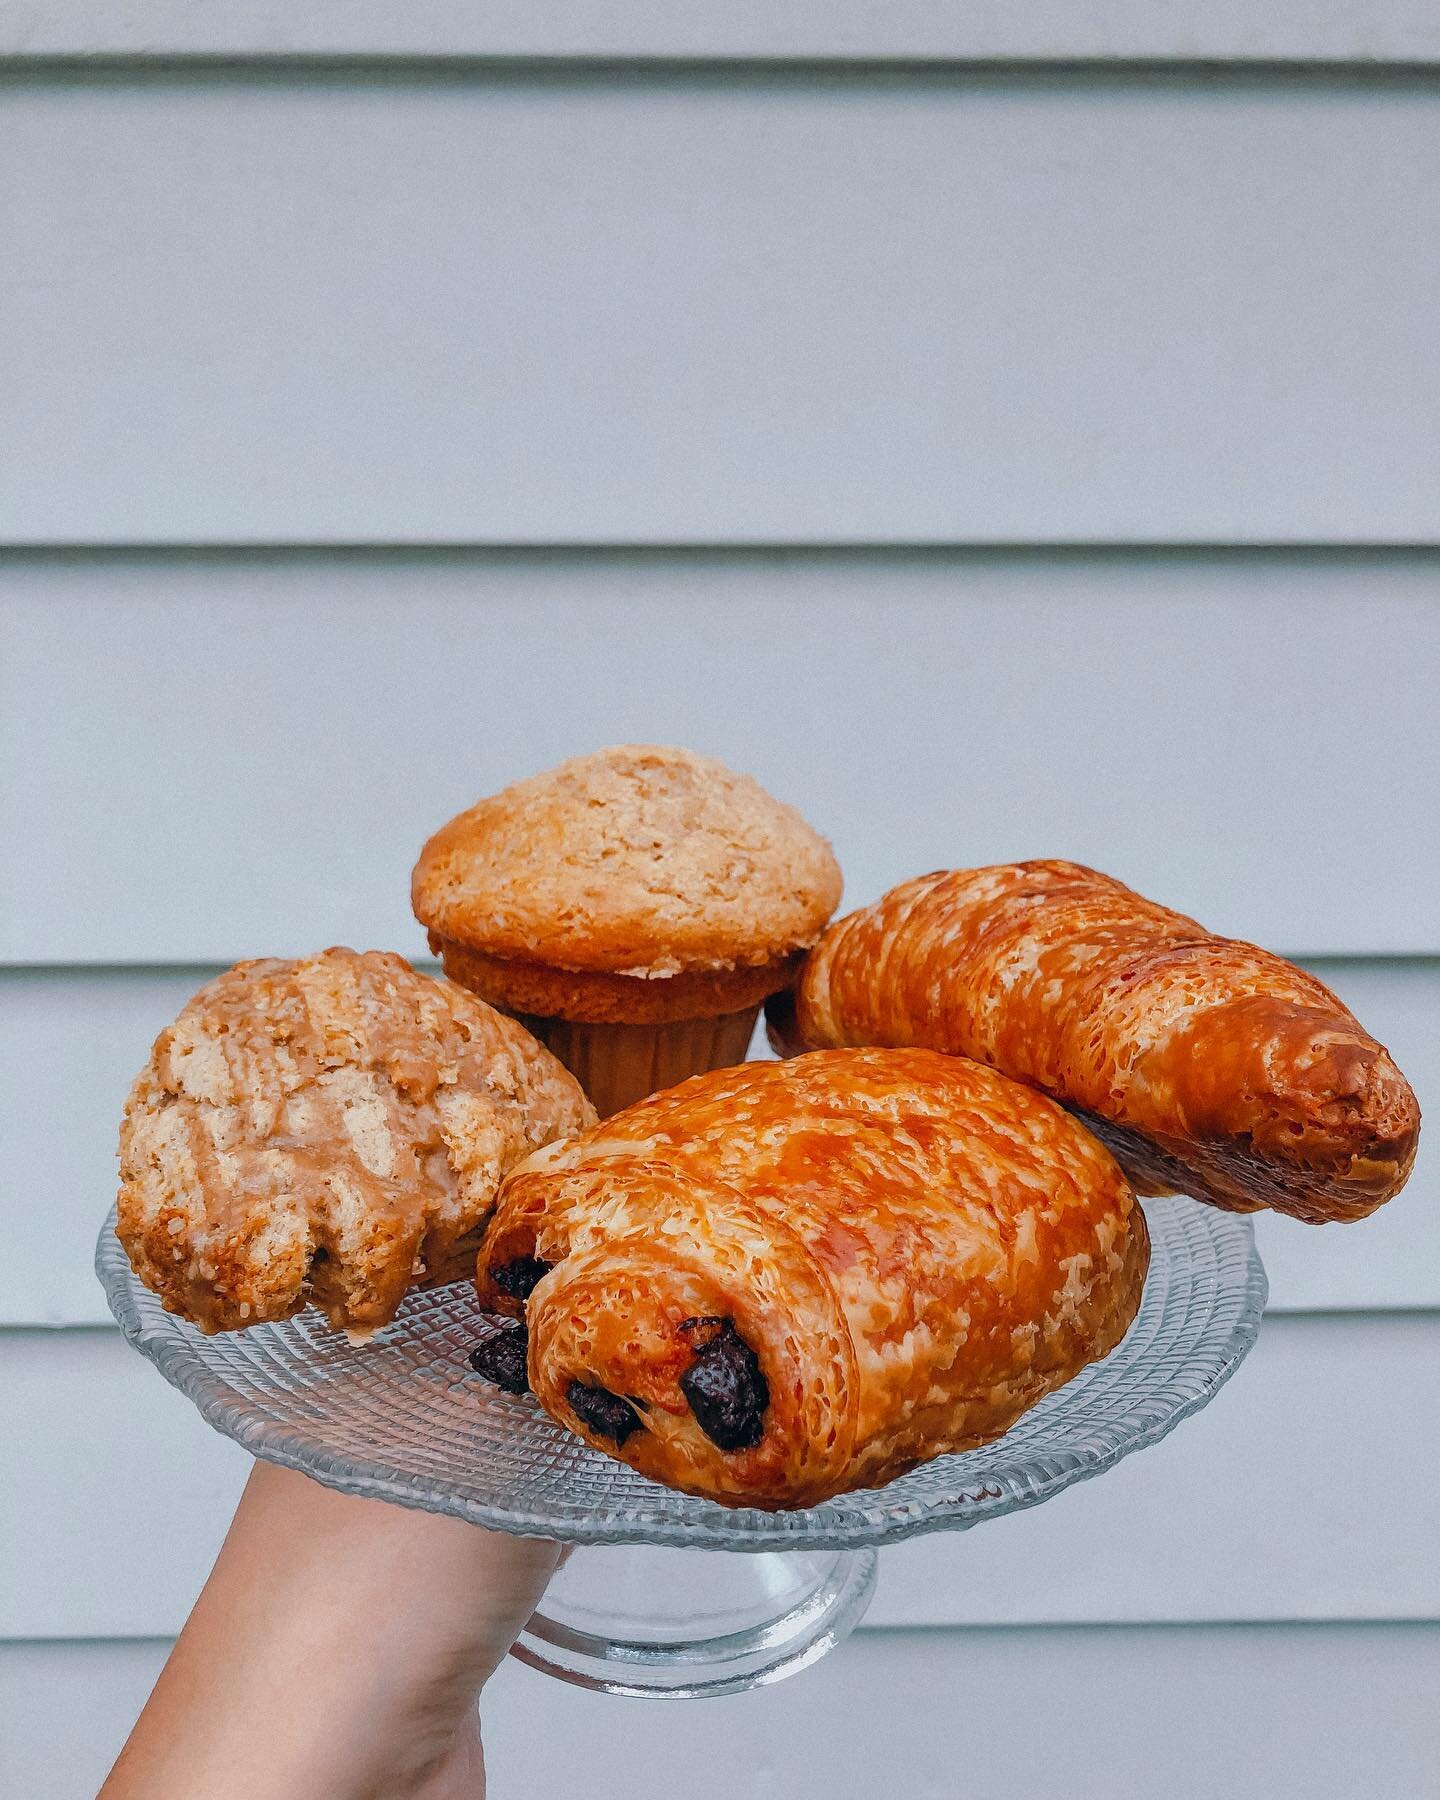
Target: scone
(333, 1131)
(634, 907)
(782, 1281)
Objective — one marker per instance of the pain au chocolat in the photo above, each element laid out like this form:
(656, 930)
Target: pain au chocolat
(1208, 1066)
(778, 1282)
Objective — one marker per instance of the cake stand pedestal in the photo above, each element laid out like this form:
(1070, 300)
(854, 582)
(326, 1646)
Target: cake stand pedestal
(679, 1624)
(719, 1599)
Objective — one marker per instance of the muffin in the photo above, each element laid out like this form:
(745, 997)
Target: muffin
(329, 1131)
(633, 907)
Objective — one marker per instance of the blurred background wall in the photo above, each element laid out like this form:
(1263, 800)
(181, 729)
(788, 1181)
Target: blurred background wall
(1005, 431)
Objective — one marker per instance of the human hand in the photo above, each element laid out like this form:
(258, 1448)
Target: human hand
(336, 1652)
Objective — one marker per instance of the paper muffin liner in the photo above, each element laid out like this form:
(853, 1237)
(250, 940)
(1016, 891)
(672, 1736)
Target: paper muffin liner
(618, 1064)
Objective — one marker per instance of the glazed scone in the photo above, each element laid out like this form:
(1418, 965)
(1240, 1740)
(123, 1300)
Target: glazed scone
(331, 1130)
(635, 888)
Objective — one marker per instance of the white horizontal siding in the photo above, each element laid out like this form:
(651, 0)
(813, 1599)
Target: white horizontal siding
(1305, 1491)
(84, 1033)
(1327, 29)
(91, 1032)
(671, 308)
(211, 757)
(1269, 1713)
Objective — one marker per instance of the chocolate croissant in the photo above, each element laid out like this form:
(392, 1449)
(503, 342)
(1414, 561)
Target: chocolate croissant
(1208, 1067)
(778, 1282)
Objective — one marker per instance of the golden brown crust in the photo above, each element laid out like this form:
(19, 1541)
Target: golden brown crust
(637, 861)
(327, 1130)
(600, 999)
(1208, 1066)
(914, 1249)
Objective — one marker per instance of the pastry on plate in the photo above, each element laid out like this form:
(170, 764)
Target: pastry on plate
(331, 1130)
(778, 1282)
(1209, 1067)
(634, 907)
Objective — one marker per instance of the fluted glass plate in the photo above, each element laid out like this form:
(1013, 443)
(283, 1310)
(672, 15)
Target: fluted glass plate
(402, 1417)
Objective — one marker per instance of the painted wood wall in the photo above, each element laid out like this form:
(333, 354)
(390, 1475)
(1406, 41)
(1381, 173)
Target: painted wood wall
(1007, 431)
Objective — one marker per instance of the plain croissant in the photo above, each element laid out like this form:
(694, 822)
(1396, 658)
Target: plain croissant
(1209, 1067)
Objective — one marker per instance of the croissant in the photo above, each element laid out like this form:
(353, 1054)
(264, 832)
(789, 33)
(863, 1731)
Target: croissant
(1209, 1067)
(781, 1281)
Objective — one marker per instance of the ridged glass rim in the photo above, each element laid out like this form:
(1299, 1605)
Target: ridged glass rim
(1199, 1254)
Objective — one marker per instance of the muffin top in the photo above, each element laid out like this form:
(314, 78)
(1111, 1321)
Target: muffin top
(637, 860)
(325, 1130)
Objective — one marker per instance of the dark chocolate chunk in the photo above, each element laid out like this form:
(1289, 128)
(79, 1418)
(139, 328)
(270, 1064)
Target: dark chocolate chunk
(501, 1358)
(605, 1413)
(519, 1279)
(727, 1393)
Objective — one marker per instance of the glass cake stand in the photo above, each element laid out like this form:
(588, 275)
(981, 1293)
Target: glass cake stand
(402, 1418)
